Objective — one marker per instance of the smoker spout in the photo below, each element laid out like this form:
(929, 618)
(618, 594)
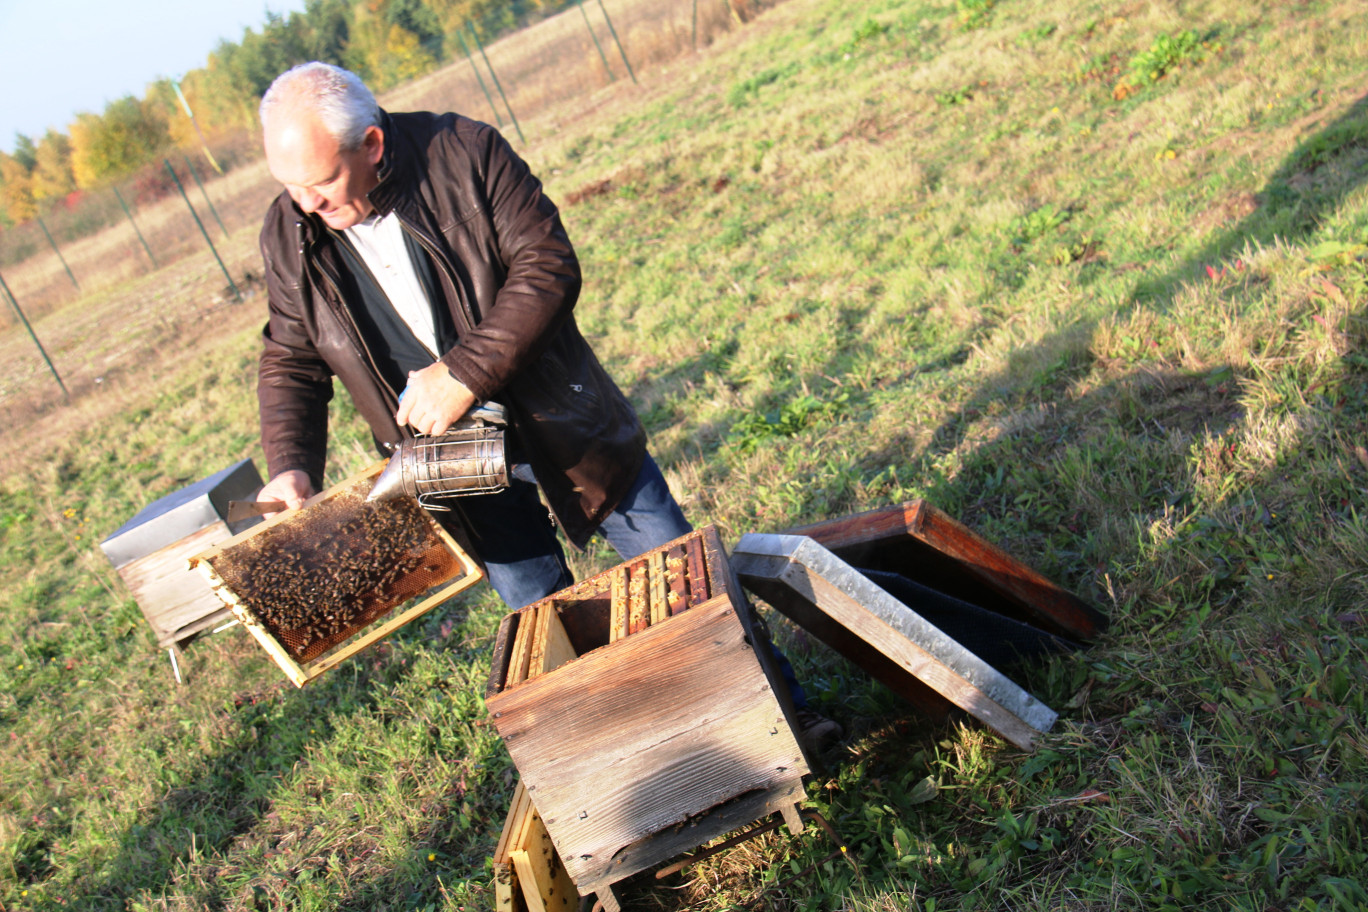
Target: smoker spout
(389, 484)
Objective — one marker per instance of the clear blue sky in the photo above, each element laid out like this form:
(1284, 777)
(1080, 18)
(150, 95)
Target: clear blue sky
(62, 57)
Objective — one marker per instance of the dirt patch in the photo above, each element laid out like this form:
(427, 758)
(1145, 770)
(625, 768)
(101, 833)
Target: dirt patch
(1228, 210)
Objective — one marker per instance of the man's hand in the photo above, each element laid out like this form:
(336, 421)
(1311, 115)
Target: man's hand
(434, 400)
(292, 486)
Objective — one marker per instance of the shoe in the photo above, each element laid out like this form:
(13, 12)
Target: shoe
(816, 731)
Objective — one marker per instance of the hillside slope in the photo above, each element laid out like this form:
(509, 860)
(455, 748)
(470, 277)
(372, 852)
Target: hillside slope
(1089, 278)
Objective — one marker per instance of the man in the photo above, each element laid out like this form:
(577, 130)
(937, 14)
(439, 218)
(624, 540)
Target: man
(414, 257)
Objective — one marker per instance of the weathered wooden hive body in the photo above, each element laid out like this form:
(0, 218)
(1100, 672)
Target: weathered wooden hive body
(665, 728)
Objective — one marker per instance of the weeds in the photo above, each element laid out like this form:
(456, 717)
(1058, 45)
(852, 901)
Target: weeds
(974, 14)
(753, 429)
(1167, 54)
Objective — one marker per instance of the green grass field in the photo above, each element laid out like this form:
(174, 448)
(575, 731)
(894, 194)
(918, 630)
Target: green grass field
(1089, 277)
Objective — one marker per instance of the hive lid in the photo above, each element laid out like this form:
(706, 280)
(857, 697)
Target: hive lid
(182, 512)
(827, 596)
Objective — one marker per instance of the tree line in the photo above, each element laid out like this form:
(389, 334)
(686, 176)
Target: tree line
(387, 42)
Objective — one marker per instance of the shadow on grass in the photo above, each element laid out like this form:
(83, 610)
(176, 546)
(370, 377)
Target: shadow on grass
(1316, 178)
(214, 836)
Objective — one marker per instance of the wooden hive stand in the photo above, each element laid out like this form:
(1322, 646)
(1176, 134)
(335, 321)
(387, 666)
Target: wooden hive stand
(150, 552)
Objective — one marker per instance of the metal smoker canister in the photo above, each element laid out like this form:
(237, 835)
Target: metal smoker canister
(470, 458)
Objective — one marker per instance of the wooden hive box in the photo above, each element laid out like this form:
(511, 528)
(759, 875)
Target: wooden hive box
(926, 544)
(923, 604)
(667, 728)
(317, 585)
(151, 550)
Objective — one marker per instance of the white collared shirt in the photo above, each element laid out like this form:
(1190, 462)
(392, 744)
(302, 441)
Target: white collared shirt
(380, 241)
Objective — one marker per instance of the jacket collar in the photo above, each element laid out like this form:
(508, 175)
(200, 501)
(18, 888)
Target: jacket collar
(392, 169)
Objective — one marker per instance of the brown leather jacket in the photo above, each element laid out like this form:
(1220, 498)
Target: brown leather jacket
(510, 278)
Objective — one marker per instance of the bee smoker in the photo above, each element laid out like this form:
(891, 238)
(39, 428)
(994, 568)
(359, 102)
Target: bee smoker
(469, 458)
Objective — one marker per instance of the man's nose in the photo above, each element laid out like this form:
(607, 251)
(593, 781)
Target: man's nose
(308, 200)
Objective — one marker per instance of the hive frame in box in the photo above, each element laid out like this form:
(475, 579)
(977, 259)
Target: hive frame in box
(650, 743)
(300, 673)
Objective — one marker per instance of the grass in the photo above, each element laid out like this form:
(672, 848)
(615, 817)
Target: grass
(1122, 337)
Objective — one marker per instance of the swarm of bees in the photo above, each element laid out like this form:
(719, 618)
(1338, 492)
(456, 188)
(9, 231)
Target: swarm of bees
(332, 569)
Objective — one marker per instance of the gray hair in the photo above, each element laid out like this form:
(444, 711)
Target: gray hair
(341, 100)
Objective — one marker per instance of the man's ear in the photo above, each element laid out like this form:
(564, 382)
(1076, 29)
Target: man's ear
(373, 142)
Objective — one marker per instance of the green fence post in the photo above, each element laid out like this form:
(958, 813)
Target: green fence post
(498, 121)
(231, 284)
(598, 47)
(495, 77)
(612, 31)
(39, 220)
(120, 198)
(204, 193)
(34, 336)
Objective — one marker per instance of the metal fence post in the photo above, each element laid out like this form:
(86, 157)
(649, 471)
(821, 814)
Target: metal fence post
(204, 193)
(495, 77)
(598, 47)
(498, 121)
(34, 336)
(39, 220)
(118, 196)
(612, 31)
(231, 284)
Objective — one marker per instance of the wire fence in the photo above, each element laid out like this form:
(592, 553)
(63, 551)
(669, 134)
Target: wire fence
(98, 238)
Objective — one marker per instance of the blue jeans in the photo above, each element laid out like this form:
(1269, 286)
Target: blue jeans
(515, 537)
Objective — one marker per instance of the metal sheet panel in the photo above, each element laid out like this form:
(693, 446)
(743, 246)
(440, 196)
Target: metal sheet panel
(182, 513)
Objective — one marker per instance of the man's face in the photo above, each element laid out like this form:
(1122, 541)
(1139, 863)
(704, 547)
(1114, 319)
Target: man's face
(318, 175)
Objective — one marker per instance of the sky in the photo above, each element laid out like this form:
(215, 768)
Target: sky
(62, 57)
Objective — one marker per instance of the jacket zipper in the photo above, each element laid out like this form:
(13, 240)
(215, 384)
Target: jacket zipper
(440, 260)
(342, 238)
(338, 303)
(441, 263)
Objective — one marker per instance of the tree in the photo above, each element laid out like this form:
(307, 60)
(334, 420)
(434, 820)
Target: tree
(416, 18)
(326, 29)
(51, 174)
(490, 17)
(262, 56)
(385, 54)
(126, 137)
(23, 151)
(16, 195)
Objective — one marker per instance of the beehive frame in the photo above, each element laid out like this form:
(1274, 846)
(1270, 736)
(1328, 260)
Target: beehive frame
(468, 573)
